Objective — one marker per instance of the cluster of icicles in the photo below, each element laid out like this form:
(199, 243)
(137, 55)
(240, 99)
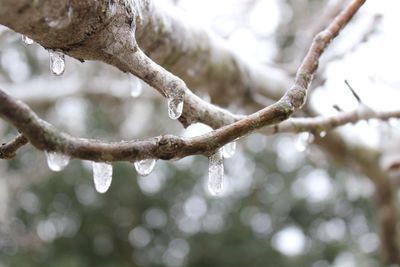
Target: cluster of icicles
(102, 172)
(175, 98)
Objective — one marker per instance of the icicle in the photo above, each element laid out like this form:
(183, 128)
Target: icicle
(322, 134)
(303, 141)
(215, 173)
(27, 40)
(145, 167)
(175, 95)
(57, 62)
(229, 149)
(56, 161)
(102, 176)
(175, 107)
(135, 86)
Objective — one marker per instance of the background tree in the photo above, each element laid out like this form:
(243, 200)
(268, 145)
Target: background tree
(284, 203)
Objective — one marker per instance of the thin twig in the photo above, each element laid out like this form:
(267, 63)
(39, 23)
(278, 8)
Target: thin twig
(354, 93)
(337, 108)
(8, 150)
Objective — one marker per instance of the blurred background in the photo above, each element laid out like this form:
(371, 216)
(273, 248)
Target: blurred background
(285, 203)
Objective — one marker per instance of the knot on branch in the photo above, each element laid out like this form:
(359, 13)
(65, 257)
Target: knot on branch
(169, 146)
(297, 96)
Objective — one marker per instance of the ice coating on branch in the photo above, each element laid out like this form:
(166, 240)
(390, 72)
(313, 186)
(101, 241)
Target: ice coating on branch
(112, 6)
(175, 107)
(27, 40)
(175, 93)
(102, 176)
(228, 150)
(60, 21)
(215, 173)
(56, 161)
(57, 62)
(303, 141)
(145, 167)
(136, 7)
(135, 86)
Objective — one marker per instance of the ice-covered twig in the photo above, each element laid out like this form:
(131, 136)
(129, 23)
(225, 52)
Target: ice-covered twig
(45, 137)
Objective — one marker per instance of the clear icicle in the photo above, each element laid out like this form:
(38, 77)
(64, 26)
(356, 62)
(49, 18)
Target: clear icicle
(175, 95)
(57, 62)
(135, 86)
(175, 107)
(102, 176)
(27, 40)
(145, 167)
(56, 161)
(228, 150)
(303, 141)
(215, 173)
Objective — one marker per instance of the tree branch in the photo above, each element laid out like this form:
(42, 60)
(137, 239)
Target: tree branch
(120, 49)
(46, 137)
(8, 150)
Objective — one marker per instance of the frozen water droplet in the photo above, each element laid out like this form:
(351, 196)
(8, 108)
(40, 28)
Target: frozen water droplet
(112, 6)
(175, 108)
(145, 167)
(175, 95)
(60, 21)
(27, 40)
(322, 134)
(228, 150)
(57, 62)
(135, 85)
(215, 173)
(102, 176)
(56, 161)
(303, 141)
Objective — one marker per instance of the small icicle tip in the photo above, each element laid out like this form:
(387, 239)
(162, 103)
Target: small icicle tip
(57, 62)
(56, 161)
(102, 176)
(145, 167)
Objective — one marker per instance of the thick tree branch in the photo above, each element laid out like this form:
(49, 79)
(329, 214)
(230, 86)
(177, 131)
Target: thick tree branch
(189, 51)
